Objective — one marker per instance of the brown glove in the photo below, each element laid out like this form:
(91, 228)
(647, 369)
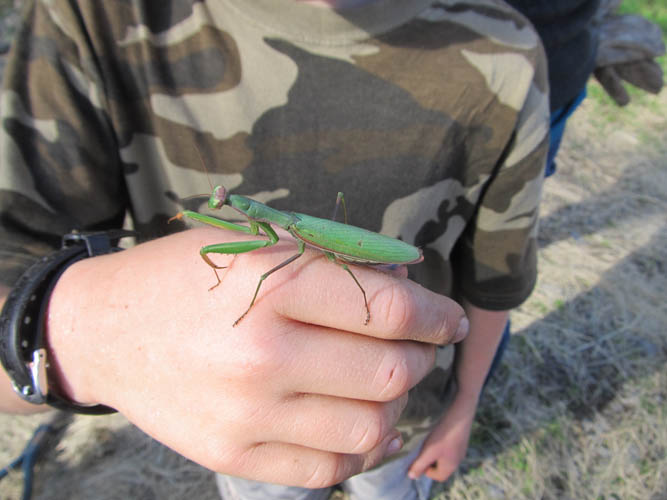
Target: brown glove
(627, 48)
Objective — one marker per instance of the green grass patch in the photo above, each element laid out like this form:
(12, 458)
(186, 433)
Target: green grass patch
(654, 10)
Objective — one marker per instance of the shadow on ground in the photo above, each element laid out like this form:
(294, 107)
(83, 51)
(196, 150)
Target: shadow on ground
(573, 362)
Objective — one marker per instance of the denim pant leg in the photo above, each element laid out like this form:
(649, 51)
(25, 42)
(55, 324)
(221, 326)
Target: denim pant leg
(236, 488)
(557, 127)
(389, 482)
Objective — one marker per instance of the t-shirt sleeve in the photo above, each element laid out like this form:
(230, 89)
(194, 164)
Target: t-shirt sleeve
(495, 261)
(59, 167)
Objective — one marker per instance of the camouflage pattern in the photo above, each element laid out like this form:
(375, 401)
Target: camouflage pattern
(431, 117)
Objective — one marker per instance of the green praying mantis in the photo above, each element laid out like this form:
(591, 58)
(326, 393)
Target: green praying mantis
(340, 242)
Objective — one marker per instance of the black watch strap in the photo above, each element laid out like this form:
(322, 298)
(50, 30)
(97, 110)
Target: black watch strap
(22, 343)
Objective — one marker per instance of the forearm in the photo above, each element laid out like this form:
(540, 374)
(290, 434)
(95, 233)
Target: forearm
(475, 354)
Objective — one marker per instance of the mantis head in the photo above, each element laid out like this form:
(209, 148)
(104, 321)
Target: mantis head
(218, 197)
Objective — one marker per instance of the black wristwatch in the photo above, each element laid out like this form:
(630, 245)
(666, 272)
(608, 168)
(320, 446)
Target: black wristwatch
(22, 322)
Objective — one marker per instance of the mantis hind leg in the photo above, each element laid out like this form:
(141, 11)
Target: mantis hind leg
(302, 248)
(340, 199)
(344, 265)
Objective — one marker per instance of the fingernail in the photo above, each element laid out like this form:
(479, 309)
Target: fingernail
(394, 446)
(413, 476)
(462, 330)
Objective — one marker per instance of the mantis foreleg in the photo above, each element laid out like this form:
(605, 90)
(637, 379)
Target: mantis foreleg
(222, 224)
(231, 248)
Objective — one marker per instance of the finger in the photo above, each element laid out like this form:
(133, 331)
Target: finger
(314, 290)
(432, 464)
(316, 360)
(441, 470)
(427, 459)
(330, 424)
(322, 293)
(307, 467)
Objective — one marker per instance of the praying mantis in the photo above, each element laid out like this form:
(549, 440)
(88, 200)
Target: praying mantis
(340, 242)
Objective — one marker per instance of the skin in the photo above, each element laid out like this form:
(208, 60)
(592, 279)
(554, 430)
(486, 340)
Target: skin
(299, 393)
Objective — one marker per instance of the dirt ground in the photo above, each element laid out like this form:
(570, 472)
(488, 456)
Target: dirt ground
(579, 407)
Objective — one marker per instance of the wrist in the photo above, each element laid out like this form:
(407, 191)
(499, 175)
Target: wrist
(24, 322)
(468, 397)
(70, 339)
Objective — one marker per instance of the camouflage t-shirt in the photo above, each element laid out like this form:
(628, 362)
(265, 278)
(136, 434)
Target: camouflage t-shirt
(431, 116)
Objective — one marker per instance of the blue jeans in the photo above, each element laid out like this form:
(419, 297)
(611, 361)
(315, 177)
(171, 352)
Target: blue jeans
(557, 128)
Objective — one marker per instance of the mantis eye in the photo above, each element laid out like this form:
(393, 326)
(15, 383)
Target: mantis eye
(218, 197)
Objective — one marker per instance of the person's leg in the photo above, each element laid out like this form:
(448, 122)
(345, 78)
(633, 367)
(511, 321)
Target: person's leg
(390, 481)
(236, 488)
(557, 127)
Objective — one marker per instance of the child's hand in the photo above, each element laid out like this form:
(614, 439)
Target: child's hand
(301, 392)
(447, 444)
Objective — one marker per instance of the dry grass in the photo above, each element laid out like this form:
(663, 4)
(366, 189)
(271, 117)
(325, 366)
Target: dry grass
(579, 408)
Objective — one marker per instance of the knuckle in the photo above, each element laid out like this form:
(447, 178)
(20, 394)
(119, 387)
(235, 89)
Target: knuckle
(397, 309)
(258, 358)
(368, 431)
(220, 456)
(248, 415)
(327, 472)
(393, 378)
(447, 326)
